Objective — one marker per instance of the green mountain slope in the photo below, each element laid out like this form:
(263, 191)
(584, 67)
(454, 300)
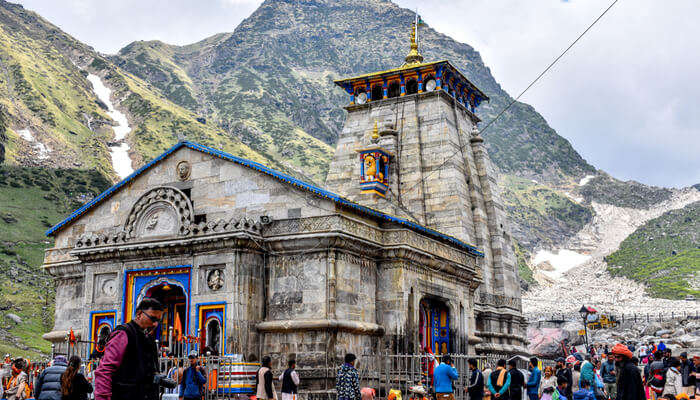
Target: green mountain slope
(541, 216)
(274, 74)
(31, 200)
(54, 118)
(664, 253)
(631, 194)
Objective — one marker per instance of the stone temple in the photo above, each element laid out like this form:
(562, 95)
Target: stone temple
(406, 249)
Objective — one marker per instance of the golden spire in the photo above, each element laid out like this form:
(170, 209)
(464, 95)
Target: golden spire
(413, 57)
(375, 132)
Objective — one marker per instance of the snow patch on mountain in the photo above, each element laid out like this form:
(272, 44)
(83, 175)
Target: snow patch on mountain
(564, 287)
(561, 260)
(585, 180)
(121, 161)
(43, 150)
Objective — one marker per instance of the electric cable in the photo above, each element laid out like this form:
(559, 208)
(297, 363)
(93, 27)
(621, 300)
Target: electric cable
(513, 101)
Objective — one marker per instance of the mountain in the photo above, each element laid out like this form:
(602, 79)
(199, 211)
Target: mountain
(270, 82)
(273, 74)
(31, 200)
(664, 253)
(53, 116)
(263, 91)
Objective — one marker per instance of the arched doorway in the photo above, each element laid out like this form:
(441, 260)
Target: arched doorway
(213, 335)
(434, 326)
(175, 317)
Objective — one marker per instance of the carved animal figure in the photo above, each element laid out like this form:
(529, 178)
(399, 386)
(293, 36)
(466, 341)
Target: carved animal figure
(371, 172)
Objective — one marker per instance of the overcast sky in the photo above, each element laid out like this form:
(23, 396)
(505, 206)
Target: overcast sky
(626, 96)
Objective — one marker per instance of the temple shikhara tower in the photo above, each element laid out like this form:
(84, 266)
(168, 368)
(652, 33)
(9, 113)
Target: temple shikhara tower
(406, 249)
(411, 147)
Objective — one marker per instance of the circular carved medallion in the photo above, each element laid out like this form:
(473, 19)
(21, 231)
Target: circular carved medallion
(215, 279)
(183, 170)
(109, 287)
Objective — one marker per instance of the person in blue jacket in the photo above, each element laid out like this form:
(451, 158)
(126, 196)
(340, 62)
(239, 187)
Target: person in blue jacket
(443, 376)
(192, 380)
(585, 393)
(533, 383)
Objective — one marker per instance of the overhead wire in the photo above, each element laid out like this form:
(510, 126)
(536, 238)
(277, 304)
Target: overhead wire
(513, 101)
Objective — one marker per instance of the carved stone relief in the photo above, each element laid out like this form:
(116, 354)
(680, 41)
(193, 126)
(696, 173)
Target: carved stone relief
(104, 288)
(215, 279)
(162, 211)
(212, 278)
(183, 170)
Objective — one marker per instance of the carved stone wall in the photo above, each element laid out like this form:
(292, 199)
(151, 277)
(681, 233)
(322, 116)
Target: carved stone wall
(443, 179)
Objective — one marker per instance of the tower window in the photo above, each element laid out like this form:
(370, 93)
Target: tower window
(411, 86)
(377, 92)
(394, 89)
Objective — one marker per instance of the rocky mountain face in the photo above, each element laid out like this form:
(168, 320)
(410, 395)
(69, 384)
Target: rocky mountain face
(274, 73)
(263, 91)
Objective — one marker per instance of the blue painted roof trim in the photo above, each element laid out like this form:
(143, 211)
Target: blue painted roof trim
(269, 171)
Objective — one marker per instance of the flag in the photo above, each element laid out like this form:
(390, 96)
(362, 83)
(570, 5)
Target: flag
(420, 21)
(71, 337)
(178, 326)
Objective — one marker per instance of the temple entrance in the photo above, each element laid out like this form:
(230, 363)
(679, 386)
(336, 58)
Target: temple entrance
(434, 326)
(213, 336)
(175, 317)
(103, 335)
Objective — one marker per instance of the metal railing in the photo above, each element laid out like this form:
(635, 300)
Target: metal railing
(229, 377)
(641, 317)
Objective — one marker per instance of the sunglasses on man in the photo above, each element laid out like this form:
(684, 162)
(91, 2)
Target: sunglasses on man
(153, 319)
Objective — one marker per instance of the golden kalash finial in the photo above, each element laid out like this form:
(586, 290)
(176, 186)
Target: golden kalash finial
(414, 57)
(375, 132)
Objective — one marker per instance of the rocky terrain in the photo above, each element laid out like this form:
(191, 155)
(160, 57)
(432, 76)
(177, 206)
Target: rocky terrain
(679, 334)
(563, 290)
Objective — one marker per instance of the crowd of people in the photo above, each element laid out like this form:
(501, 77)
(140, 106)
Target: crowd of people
(128, 369)
(618, 375)
(61, 380)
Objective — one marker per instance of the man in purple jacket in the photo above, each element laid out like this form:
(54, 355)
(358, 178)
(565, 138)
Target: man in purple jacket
(130, 361)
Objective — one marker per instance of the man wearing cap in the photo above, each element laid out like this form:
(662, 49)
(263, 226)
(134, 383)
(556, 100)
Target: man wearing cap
(192, 380)
(48, 384)
(629, 380)
(130, 361)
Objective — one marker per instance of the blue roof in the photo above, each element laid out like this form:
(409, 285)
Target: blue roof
(269, 171)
